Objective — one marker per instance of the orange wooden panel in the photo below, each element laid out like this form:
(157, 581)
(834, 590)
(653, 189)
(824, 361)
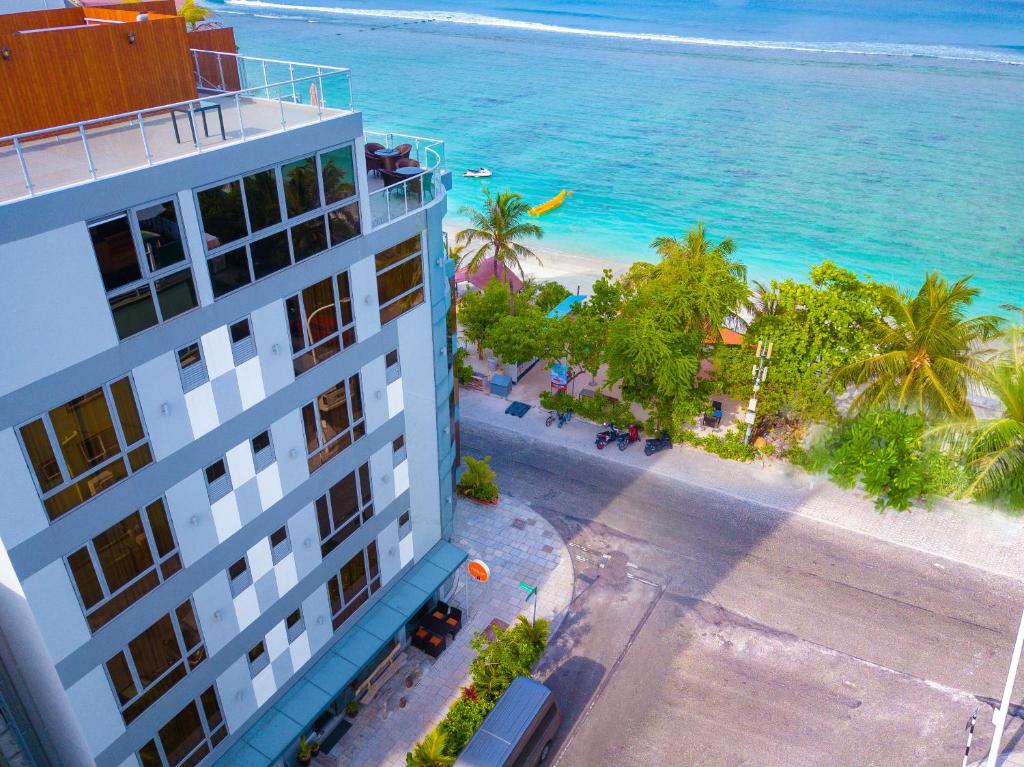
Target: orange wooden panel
(65, 75)
(63, 17)
(217, 39)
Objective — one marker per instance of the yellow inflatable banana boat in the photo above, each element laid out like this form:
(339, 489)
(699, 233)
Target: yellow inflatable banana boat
(554, 202)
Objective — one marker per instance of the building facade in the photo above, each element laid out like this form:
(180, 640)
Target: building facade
(227, 419)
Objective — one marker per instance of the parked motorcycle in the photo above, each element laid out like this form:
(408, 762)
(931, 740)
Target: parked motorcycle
(610, 434)
(657, 444)
(629, 436)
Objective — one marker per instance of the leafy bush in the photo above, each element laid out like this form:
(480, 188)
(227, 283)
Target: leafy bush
(477, 481)
(463, 371)
(729, 446)
(549, 295)
(597, 409)
(513, 652)
(886, 451)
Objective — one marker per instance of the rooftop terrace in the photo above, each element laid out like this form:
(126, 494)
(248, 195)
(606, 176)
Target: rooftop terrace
(239, 99)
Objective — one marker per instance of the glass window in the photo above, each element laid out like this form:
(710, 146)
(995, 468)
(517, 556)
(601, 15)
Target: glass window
(239, 577)
(243, 345)
(229, 271)
(156, 660)
(191, 367)
(115, 252)
(123, 563)
(261, 199)
(222, 214)
(218, 481)
(189, 736)
(280, 546)
(294, 625)
(320, 321)
(333, 422)
(270, 254)
(301, 190)
(343, 223)
(391, 358)
(161, 235)
(261, 442)
(77, 449)
(309, 238)
(258, 659)
(344, 508)
(353, 584)
(135, 251)
(399, 279)
(338, 174)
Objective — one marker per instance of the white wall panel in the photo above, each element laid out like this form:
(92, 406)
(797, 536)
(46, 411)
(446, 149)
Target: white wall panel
(363, 282)
(270, 326)
(215, 612)
(288, 435)
(188, 501)
(159, 388)
(57, 609)
(202, 409)
(97, 711)
(217, 351)
(19, 492)
(53, 295)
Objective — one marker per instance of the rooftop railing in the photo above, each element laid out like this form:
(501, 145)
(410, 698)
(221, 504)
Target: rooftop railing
(408, 196)
(241, 98)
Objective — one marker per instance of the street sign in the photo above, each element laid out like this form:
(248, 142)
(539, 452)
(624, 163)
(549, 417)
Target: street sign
(530, 590)
(478, 570)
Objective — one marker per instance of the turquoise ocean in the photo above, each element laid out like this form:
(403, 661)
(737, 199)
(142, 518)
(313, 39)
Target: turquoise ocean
(886, 136)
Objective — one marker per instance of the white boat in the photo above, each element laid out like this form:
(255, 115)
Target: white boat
(478, 173)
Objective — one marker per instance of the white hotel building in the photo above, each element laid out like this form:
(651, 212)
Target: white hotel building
(227, 419)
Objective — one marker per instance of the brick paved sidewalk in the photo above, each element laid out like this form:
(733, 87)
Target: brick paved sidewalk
(964, 532)
(518, 545)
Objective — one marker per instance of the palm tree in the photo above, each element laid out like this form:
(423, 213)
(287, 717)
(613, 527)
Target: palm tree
(193, 14)
(711, 285)
(994, 448)
(534, 632)
(498, 230)
(927, 351)
(429, 752)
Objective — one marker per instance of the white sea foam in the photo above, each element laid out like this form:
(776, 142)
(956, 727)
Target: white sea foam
(480, 20)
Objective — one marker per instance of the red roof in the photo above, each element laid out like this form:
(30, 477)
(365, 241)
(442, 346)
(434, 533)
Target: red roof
(485, 271)
(727, 337)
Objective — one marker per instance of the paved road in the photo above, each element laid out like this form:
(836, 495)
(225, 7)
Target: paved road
(708, 631)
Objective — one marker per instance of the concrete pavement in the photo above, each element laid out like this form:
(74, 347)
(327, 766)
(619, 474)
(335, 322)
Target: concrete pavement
(716, 630)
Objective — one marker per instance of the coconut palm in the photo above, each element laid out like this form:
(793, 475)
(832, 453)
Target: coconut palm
(498, 229)
(927, 351)
(193, 14)
(994, 448)
(429, 752)
(534, 632)
(709, 285)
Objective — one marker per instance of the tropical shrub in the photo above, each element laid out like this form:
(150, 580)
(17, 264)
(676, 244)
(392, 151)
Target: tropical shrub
(729, 446)
(513, 652)
(597, 409)
(549, 295)
(477, 481)
(887, 453)
(432, 751)
(463, 371)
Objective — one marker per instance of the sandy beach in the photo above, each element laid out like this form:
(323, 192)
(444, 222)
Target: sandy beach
(575, 271)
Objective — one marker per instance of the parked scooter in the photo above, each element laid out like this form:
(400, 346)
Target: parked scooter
(657, 444)
(610, 434)
(628, 437)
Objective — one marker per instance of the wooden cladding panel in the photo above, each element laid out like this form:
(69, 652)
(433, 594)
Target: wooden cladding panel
(66, 75)
(219, 39)
(62, 17)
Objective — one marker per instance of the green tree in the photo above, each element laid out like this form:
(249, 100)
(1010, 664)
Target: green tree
(656, 339)
(927, 351)
(498, 229)
(519, 337)
(479, 312)
(887, 452)
(550, 295)
(815, 327)
(994, 448)
(430, 752)
(193, 14)
(477, 481)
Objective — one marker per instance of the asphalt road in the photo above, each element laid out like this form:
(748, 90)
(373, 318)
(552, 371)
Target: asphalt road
(708, 631)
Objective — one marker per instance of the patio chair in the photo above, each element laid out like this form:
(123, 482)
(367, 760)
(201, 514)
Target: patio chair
(404, 150)
(373, 162)
(390, 179)
(405, 162)
(435, 645)
(420, 638)
(714, 420)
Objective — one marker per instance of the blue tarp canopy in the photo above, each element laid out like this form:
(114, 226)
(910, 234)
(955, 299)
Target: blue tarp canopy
(294, 713)
(566, 306)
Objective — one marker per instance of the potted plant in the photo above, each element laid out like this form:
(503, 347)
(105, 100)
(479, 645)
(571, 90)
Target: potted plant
(352, 708)
(314, 747)
(305, 755)
(477, 481)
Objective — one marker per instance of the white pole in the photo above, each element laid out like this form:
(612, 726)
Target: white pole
(999, 715)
